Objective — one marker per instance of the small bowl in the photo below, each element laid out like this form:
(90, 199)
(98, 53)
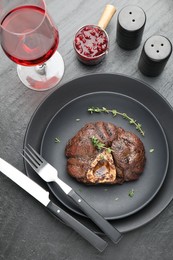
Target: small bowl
(91, 44)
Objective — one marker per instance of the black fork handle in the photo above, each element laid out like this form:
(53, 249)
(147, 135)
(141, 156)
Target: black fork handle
(99, 220)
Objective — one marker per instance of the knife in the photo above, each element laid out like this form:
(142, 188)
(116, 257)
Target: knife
(43, 197)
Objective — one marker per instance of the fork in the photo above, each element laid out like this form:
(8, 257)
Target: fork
(49, 174)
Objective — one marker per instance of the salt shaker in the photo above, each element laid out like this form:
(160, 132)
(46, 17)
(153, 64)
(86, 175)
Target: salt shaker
(130, 26)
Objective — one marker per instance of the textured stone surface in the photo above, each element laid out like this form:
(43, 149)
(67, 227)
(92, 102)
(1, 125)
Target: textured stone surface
(27, 230)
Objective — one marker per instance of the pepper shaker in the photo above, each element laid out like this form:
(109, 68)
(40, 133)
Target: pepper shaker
(155, 54)
(130, 27)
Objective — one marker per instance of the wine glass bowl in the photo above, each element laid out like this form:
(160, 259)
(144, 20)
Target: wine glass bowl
(30, 38)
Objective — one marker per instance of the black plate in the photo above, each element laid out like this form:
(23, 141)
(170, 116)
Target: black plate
(118, 84)
(111, 201)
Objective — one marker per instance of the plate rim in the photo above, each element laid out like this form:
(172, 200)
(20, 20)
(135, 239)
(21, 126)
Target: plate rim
(166, 198)
(51, 186)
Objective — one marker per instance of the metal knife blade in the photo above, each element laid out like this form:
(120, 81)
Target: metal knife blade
(24, 182)
(43, 196)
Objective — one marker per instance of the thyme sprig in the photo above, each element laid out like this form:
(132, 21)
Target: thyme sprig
(99, 145)
(114, 112)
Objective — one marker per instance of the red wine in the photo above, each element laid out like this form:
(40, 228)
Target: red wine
(28, 36)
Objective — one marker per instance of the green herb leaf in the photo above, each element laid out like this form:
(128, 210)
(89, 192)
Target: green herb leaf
(114, 112)
(102, 157)
(99, 145)
(131, 193)
(109, 150)
(57, 140)
(152, 150)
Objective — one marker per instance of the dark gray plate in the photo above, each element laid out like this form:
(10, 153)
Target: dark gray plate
(116, 84)
(111, 201)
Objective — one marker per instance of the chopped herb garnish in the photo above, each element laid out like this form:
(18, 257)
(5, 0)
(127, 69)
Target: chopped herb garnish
(115, 113)
(102, 157)
(99, 145)
(57, 140)
(131, 193)
(151, 150)
(109, 150)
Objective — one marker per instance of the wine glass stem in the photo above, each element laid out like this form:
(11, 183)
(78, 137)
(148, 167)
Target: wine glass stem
(41, 69)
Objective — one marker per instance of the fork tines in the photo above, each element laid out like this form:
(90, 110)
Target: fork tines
(32, 157)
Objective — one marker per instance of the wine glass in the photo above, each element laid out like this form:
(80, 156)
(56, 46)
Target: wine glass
(30, 38)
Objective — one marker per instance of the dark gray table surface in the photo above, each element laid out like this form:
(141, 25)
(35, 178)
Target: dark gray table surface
(27, 230)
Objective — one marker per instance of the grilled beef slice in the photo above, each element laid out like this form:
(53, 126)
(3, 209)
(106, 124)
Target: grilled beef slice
(89, 165)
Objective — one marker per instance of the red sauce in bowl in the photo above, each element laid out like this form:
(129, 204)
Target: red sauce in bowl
(91, 42)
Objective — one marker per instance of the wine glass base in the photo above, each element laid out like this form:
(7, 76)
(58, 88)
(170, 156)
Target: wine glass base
(43, 77)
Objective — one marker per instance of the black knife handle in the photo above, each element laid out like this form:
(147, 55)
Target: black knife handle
(86, 233)
(99, 220)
